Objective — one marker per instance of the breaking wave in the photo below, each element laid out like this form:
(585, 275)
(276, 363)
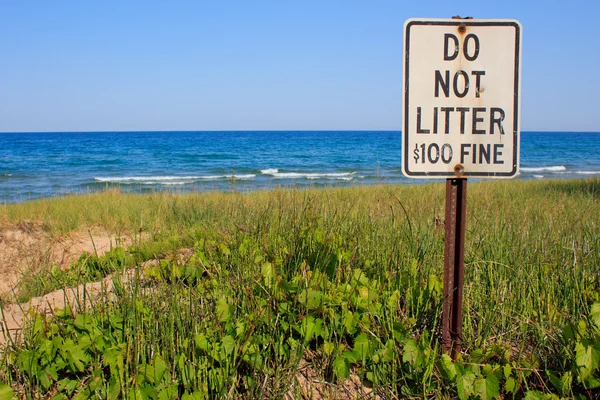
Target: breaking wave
(556, 168)
(170, 180)
(344, 176)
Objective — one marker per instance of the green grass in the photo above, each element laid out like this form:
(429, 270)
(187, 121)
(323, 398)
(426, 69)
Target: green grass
(348, 280)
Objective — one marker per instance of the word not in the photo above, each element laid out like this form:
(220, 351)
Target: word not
(443, 82)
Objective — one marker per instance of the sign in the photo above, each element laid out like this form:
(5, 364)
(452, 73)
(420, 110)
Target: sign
(461, 98)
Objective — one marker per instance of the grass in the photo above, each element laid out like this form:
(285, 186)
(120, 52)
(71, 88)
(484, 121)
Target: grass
(346, 280)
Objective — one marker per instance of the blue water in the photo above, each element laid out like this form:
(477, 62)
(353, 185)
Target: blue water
(34, 165)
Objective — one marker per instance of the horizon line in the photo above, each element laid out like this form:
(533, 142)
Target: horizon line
(261, 130)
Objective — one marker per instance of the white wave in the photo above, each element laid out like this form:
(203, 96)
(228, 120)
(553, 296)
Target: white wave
(314, 175)
(269, 171)
(587, 172)
(243, 177)
(538, 176)
(132, 179)
(225, 177)
(7, 175)
(540, 169)
(170, 183)
(170, 180)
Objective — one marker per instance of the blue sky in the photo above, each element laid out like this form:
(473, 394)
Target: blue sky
(220, 65)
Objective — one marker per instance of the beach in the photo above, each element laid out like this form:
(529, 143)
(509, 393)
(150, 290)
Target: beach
(281, 286)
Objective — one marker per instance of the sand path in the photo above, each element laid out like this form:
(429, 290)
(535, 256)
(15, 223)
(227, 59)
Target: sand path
(27, 247)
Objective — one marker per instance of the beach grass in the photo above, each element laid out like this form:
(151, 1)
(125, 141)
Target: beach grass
(246, 289)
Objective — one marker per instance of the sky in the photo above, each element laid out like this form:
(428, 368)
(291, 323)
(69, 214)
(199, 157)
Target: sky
(265, 65)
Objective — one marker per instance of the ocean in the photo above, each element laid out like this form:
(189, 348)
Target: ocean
(36, 165)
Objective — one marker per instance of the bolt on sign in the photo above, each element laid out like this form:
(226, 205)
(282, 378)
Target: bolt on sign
(461, 98)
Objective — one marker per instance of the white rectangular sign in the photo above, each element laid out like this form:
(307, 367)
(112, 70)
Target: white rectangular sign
(461, 98)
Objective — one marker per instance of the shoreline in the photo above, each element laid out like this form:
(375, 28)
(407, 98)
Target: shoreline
(50, 164)
(243, 186)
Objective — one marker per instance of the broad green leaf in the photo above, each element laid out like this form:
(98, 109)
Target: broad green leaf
(6, 392)
(595, 314)
(352, 356)
(146, 374)
(81, 322)
(228, 344)
(411, 353)
(350, 323)
(448, 367)
(488, 387)
(477, 356)
(84, 394)
(224, 249)
(224, 311)
(587, 358)
(465, 385)
(169, 393)
(511, 385)
(567, 382)
(48, 349)
(28, 362)
(507, 371)
(360, 277)
(147, 391)
(240, 328)
(361, 346)
(569, 332)
(310, 298)
(44, 378)
(116, 321)
(341, 368)
(268, 273)
(389, 351)
(96, 382)
(38, 324)
(363, 293)
(581, 329)
(193, 396)
(328, 348)
(592, 383)
(67, 385)
(201, 342)
(77, 357)
(113, 358)
(311, 327)
(392, 300)
(290, 287)
(555, 380)
(160, 367)
(114, 390)
(435, 284)
(534, 395)
(256, 360)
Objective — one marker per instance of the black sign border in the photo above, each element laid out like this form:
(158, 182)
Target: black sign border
(516, 97)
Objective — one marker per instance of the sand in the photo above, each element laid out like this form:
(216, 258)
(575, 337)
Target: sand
(27, 246)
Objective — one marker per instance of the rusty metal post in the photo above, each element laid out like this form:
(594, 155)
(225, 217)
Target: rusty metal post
(454, 257)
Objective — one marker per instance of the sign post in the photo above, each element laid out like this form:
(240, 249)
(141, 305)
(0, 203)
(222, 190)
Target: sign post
(454, 261)
(460, 119)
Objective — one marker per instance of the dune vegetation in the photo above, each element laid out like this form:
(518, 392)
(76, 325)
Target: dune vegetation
(314, 293)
